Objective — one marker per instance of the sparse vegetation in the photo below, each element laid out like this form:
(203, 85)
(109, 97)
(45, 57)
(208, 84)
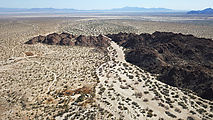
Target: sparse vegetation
(48, 82)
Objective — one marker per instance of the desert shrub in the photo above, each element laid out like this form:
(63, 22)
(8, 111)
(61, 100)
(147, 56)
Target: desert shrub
(125, 108)
(211, 108)
(135, 104)
(170, 114)
(106, 102)
(211, 115)
(185, 99)
(201, 104)
(120, 107)
(109, 115)
(125, 65)
(124, 87)
(149, 114)
(145, 100)
(205, 106)
(113, 98)
(166, 86)
(165, 92)
(168, 100)
(182, 105)
(201, 110)
(80, 98)
(176, 96)
(139, 80)
(190, 118)
(192, 96)
(157, 94)
(161, 104)
(131, 76)
(166, 107)
(101, 90)
(192, 112)
(111, 88)
(138, 94)
(143, 111)
(128, 99)
(192, 102)
(177, 110)
(146, 92)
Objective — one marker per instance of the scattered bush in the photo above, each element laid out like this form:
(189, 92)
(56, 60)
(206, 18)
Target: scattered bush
(183, 105)
(138, 94)
(101, 90)
(170, 114)
(145, 100)
(192, 112)
(124, 87)
(149, 114)
(177, 110)
(131, 76)
(190, 118)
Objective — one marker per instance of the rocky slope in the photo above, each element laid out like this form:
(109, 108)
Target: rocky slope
(180, 60)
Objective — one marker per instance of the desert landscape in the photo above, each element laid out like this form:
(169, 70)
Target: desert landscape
(66, 67)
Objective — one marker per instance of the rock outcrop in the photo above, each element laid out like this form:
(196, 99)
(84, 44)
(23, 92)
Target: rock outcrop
(180, 60)
(71, 40)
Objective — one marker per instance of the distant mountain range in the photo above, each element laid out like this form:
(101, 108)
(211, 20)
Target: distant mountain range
(139, 9)
(205, 11)
(54, 10)
(124, 9)
(44, 10)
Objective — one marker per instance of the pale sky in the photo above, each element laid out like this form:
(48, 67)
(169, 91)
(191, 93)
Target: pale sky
(108, 4)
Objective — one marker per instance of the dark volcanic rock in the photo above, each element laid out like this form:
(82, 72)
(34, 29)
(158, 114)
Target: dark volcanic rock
(67, 39)
(102, 41)
(71, 40)
(99, 41)
(181, 60)
(36, 40)
(53, 39)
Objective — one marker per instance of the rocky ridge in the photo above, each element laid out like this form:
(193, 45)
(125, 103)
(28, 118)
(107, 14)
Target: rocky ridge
(71, 40)
(182, 61)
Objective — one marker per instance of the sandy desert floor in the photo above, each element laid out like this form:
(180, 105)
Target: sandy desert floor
(54, 82)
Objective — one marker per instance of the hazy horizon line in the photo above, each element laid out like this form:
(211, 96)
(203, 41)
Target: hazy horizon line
(102, 9)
